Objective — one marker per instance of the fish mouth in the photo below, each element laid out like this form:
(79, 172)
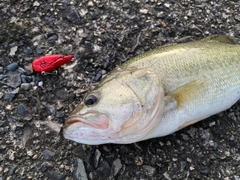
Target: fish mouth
(89, 120)
(89, 129)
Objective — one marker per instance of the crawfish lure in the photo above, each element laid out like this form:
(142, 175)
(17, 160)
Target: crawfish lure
(49, 63)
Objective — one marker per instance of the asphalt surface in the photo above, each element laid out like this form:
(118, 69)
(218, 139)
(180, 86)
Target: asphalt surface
(101, 35)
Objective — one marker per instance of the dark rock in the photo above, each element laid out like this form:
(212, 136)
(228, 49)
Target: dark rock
(90, 160)
(237, 17)
(232, 143)
(97, 158)
(12, 66)
(60, 114)
(80, 172)
(2, 76)
(29, 51)
(55, 176)
(98, 77)
(22, 109)
(50, 108)
(48, 155)
(26, 79)
(21, 70)
(1, 123)
(149, 170)
(10, 95)
(46, 166)
(12, 44)
(103, 171)
(72, 14)
(52, 39)
(21, 43)
(185, 137)
(39, 51)
(117, 165)
(25, 86)
(15, 80)
(62, 94)
(12, 170)
(182, 165)
(205, 171)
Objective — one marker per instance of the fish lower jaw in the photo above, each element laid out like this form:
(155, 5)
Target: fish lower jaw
(89, 135)
(80, 122)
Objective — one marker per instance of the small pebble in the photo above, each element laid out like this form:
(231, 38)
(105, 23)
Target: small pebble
(51, 40)
(205, 171)
(26, 79)
(149, 170)
(237, 17)
(72, 14)
(1, 69)
(39, 51)
(143, 11)
(90, 3)
(80, 172)
(167, 5)
(117, 165)
(12, 66)
(40, 83)
(10, 95)
(22, 109)
(2, 76)
(60, 114)
(12, 44)
(13, 50)
(62, 94)
(29, 51)
(1, 123)
(98, 77)
(55, 175)
(48, 155)
(36, 4)
(25, 86)
(30, 153)
(97, 157)
(46, 165)
(182, 165)
(15, 80)
(12, 170)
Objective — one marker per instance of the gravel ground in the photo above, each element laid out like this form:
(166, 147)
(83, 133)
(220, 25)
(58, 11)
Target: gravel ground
(102, 34)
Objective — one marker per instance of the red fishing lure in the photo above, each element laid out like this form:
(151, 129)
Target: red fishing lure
(50, 63)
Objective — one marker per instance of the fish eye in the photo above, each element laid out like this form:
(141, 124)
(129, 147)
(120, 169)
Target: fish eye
(91, 100)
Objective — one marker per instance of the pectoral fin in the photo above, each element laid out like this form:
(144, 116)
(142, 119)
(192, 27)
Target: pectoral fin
(189, 92)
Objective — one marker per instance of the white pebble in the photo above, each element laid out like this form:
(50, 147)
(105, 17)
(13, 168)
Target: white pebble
(40, 83)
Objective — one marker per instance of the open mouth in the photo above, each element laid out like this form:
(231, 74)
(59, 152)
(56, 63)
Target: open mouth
(98, 122)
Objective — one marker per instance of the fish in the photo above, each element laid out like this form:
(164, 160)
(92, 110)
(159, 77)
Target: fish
(159, 92)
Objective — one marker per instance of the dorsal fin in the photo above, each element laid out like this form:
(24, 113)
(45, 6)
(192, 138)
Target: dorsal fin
(222, 39)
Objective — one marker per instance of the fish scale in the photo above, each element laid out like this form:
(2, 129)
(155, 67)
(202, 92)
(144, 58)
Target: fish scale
(160, 92)
(188, 65)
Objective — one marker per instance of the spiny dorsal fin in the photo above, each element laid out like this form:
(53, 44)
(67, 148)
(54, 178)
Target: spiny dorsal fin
(222, 39)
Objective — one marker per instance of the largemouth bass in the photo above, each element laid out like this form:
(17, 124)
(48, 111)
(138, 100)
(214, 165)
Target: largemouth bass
(159, 92)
